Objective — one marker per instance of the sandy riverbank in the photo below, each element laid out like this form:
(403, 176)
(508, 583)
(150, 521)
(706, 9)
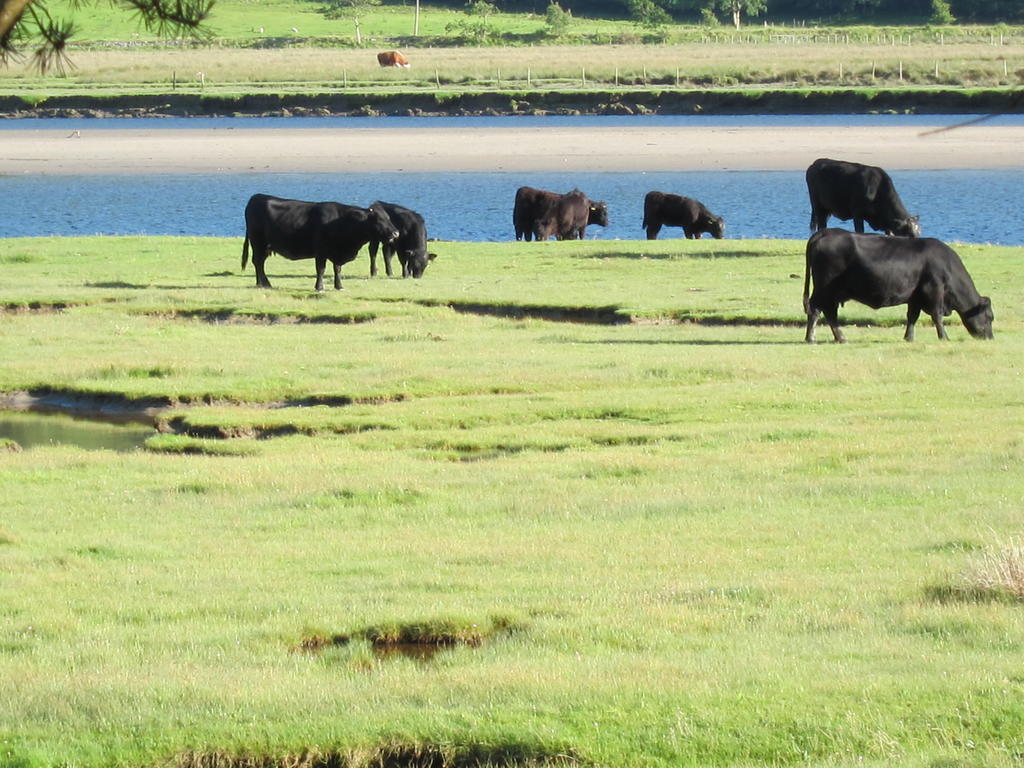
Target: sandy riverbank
(229, 150)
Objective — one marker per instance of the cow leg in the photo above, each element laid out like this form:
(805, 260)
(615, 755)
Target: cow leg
(940, 327)
(321, 265)
(337, 275)
(652, 231)
(388, 253)
(688, 233)
(259, 256)
(373, 258)
(832, 315)
(913, 312)
(858, 225)
(812, 320)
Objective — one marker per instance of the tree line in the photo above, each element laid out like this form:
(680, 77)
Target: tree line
(777, 11)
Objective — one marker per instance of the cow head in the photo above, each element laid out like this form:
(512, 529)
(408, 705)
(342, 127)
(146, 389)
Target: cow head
(717, 227)
(908, 227)
(598, 214)
(414, 262)
(978, 320)
(381, 224)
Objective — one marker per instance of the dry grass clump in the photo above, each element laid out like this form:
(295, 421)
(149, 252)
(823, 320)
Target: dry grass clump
(1001, 570)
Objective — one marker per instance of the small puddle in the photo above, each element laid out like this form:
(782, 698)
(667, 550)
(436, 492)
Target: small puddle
(30, 430)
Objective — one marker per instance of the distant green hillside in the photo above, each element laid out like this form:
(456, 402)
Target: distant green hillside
(278, 22)
(252, 20)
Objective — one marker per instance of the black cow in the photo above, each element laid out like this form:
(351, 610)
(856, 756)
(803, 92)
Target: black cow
(531, 206)
(668, 210)
(881, 271)
(540, 214)
(859, 192)
(568, 220)
(411, 245)
(299, 230)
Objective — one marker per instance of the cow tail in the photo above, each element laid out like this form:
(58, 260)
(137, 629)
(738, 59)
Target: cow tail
(807, 279)
(245, 252)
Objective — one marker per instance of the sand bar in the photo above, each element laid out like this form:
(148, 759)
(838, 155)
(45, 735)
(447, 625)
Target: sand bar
(363, 149)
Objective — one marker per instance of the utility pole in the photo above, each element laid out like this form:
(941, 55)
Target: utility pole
(416, 23)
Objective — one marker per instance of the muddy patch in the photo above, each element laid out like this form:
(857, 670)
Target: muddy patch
(611, 315)
(227, 316)
(111, 407)
(421, 640)
(180, 425)
(396, 754)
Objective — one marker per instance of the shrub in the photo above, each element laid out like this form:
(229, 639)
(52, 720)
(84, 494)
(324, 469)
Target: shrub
(941, 12)
(557, 20)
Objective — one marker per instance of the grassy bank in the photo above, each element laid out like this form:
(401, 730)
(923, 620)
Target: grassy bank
(645, 524)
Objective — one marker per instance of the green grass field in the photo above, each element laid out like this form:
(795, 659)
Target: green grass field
(653, 527)
(252, 48)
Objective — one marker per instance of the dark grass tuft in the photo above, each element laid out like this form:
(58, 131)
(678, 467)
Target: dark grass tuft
(436, 633)
(967, 593)
(190, 446)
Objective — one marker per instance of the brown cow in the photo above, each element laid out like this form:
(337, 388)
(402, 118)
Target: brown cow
(392, 59)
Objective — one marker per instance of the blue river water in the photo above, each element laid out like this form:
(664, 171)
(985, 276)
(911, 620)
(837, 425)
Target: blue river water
(977, 206)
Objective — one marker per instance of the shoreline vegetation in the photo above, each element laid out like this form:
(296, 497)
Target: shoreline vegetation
(455, 103)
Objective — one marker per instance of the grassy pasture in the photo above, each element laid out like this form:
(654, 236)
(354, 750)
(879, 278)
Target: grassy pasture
(649, 542)
(686, 65)
(322, 55)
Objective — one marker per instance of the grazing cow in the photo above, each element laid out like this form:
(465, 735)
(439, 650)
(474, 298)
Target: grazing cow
(859, 192)
(299, 230)
(572, 213)
(667, 210)
(411, 245)
(882, 271)
(392, 59)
